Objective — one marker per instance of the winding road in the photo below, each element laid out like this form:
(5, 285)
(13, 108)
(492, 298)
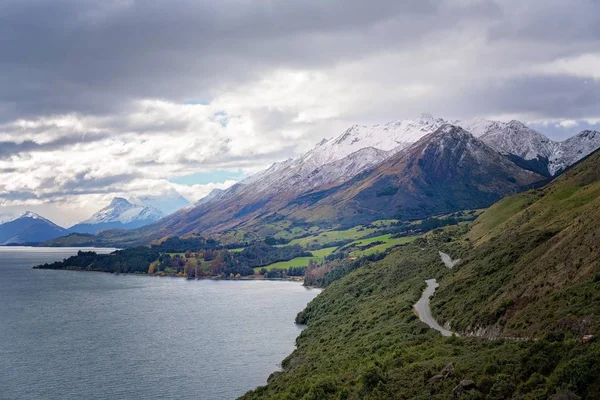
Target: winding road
(422, 307)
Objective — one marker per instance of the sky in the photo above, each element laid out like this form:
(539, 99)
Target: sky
(130, 98)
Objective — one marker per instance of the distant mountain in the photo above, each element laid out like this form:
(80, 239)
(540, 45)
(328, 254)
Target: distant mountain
(119, 214)
(29, 228)
(531, 149)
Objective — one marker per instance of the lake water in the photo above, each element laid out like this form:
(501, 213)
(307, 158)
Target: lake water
(87, 335)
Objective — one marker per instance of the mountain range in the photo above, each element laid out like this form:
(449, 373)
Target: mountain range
(404, 169)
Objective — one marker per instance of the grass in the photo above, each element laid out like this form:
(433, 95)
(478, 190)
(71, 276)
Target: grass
(299, 261)
(389, 242)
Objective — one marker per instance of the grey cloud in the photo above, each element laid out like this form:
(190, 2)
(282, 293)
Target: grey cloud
(95, 57)
(570, 22)
(83, 183)
(10, 148)
(80, 184)
(543, 96)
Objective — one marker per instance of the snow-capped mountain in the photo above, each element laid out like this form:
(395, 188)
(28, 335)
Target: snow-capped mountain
(445, 171)
(392, 136)
(570, 151)
(538, 152)
(358, 148)
(119, 214)
(29, 228)
(214, 194)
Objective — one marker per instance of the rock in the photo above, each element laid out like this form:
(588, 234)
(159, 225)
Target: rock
(463, 386)
(448, 370)
(445, 373)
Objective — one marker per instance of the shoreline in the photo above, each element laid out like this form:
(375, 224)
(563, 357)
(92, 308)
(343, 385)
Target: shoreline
(210, 278)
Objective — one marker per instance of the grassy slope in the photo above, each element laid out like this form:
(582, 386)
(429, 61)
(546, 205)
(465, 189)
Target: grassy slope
(363, 341)
(530, 261)
(387, 240)
(534, 262)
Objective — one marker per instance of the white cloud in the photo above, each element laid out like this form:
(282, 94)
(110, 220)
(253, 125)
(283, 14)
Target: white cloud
(568, 123)
(583, 66)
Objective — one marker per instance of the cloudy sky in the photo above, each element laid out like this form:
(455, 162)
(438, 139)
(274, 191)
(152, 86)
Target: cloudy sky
(125, 97)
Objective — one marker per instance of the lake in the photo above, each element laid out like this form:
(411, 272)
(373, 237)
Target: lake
(91, 335)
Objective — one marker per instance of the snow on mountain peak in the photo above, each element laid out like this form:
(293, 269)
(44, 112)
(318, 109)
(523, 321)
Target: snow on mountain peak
(336, 160)
(123, 210)
(306, 171)
(30, 214)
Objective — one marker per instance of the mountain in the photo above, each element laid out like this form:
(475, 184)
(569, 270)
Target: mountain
(445, 171)
(213, 195)
(29, 228)
(316, 167)
(531, 149)
(119, 214)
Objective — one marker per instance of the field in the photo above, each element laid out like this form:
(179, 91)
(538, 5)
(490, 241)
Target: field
(389, 242)
(299, 261)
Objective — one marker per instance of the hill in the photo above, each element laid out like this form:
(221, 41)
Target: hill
(534, 263)
(529, 279)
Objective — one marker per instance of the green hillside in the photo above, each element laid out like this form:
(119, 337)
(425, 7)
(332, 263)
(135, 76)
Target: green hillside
(530, 269)
(534, 263)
